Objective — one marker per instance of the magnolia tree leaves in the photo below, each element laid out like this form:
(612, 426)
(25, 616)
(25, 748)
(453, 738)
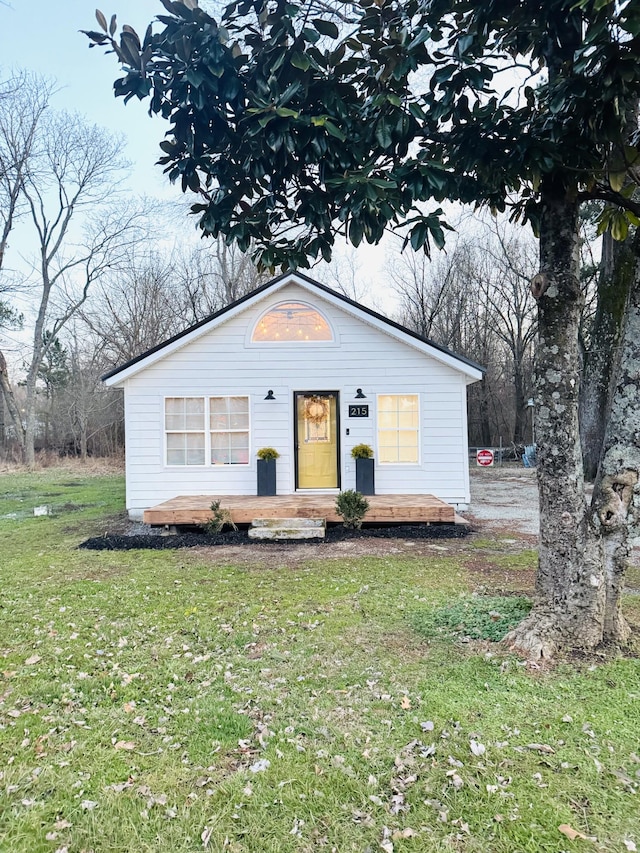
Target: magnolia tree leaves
(294, 129)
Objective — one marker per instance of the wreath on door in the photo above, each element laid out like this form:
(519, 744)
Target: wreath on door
(316, 410)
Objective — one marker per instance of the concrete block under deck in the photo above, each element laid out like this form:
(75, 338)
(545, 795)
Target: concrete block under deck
(392, 509)
(287, 528)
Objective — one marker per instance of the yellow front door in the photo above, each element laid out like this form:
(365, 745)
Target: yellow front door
(317, 439)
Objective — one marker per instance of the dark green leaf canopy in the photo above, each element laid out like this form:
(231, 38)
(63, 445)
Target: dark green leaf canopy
(294, 125)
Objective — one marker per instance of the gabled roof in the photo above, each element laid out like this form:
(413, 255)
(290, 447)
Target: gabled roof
(464, 365)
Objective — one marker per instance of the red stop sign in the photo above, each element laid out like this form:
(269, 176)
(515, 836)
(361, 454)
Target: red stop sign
(484, 458)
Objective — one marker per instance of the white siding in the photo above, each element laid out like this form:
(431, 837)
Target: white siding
(224, 361)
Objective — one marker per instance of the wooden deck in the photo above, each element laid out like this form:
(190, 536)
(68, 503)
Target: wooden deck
(396, 509)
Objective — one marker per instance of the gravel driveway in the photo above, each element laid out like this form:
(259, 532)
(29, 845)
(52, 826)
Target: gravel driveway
(504, 499)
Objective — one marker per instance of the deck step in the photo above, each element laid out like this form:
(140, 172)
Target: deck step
(287, 528)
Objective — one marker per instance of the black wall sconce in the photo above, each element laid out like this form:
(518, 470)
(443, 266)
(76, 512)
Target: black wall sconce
(269, 395)
(360, 395)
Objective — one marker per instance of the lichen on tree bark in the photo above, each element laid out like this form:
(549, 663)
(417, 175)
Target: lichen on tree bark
(584, 548)
(617, 266)
(615, 507)
(563, 610)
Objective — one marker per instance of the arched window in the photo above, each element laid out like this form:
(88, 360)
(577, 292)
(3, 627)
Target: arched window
(291, 321)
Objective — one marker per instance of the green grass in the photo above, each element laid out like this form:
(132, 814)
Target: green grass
(139, 692)
(475, 617)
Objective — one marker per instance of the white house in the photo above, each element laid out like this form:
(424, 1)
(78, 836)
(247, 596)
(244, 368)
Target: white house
(298, 367)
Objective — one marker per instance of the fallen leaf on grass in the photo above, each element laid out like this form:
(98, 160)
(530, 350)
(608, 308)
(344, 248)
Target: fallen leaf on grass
(205, 836)
(542, 747)
(572, 834)
(32, 660)
(477, 748)
(124, 744)
(399, 834)
(405, 703)
(119, 787)
(386, 843)
(630, 845)
(623, 777)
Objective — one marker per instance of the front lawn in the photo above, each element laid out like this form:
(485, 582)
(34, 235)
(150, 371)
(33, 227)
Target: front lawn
(179, 701)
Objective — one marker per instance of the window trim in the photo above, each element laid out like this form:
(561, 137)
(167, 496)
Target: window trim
(290, 344)
(207, 432)
(418, 429)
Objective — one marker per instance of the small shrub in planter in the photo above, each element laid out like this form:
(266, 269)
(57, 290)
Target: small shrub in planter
(267, 453)
(362, 451)
(221, 517)
(365, 472)
(352, 507)
(267, 470)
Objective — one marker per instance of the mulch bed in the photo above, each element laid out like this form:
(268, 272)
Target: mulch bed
(334, 533)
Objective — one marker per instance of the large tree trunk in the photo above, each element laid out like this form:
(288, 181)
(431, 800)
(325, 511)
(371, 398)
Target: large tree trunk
(519, 405)
(567, 611)
(30, 416)
(3, 433)
(7, 392)
(614, 282)
(615, 514)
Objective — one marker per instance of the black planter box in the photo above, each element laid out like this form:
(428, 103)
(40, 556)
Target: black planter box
(365, 481)
(266, 477)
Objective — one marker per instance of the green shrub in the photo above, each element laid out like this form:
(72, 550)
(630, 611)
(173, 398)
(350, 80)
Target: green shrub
(221, 517)
(478, 617)
(362, 451)
(352, 507)
(267, 453)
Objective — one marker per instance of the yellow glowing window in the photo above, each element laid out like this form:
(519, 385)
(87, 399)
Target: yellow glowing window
(398, 428)
(292, 321)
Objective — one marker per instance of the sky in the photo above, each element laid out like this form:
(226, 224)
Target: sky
(44, 36)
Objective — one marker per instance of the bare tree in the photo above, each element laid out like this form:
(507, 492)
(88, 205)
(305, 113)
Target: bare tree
(154, 296)
(512, 261)
(475, 300)
(69, 187)
(210, 277)
(344, 274)
(133, 309)
(423, 287)
(23, 101)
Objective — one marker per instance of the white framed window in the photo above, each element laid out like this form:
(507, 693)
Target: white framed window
(398, 429)
(229, 430)
(207, 430)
